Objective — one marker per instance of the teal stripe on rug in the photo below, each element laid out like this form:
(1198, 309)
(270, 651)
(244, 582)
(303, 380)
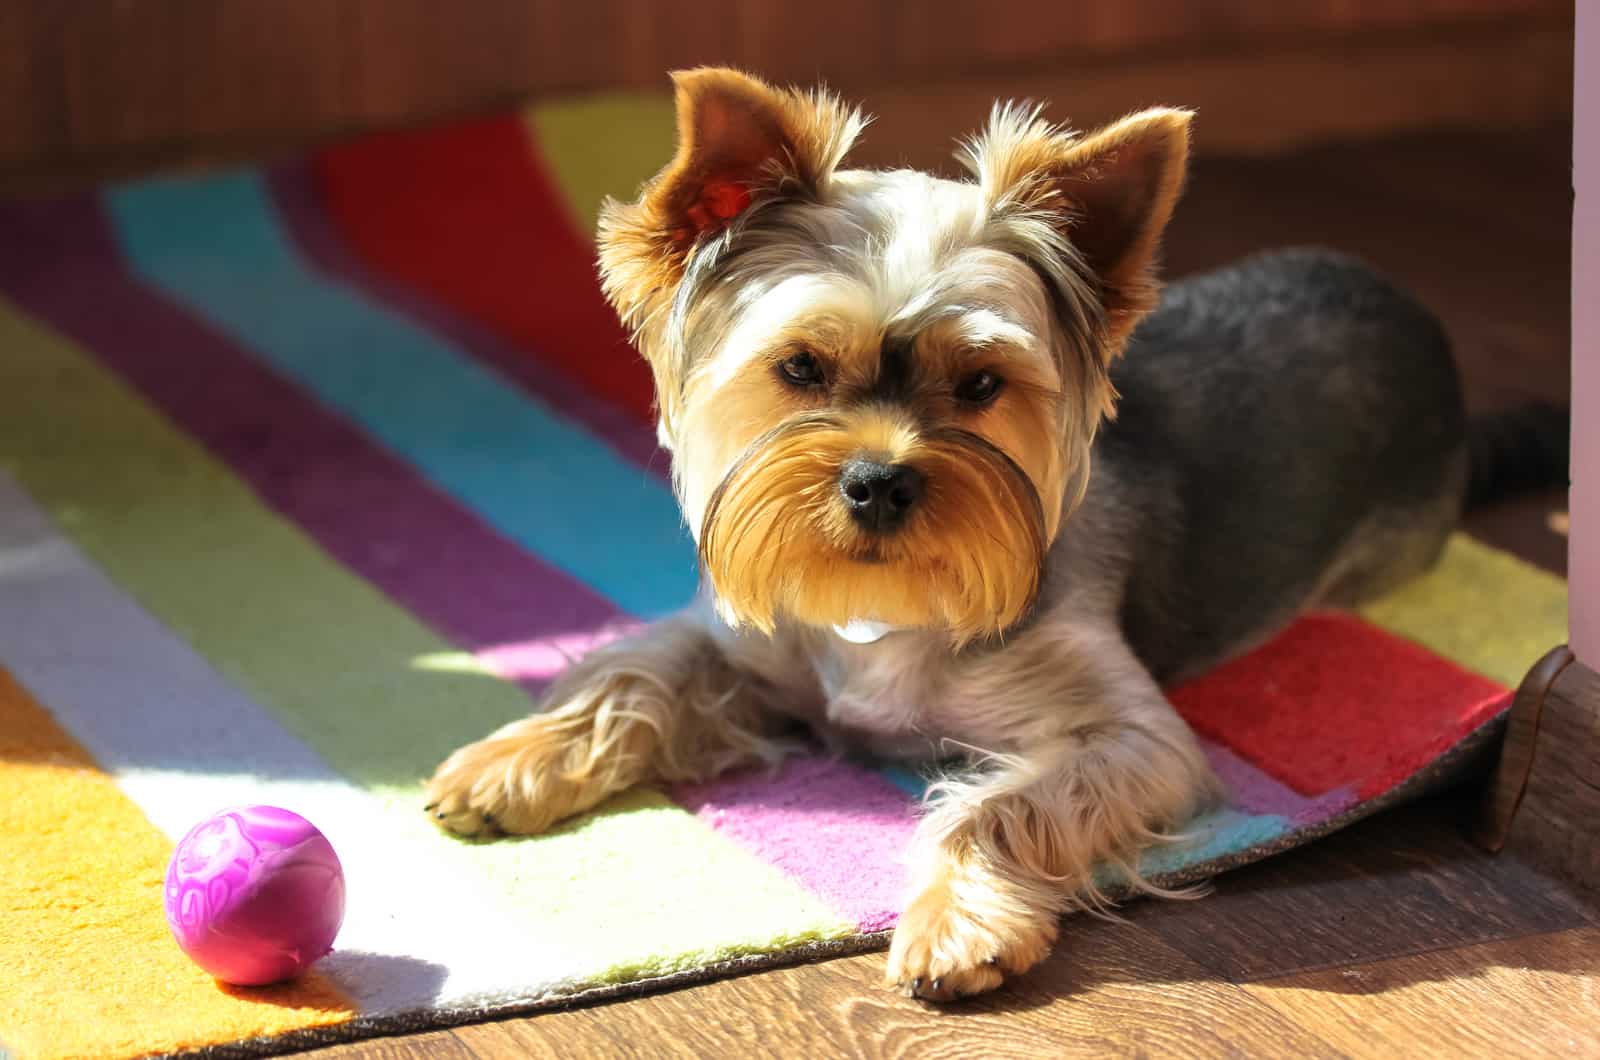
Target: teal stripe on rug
(217, 246)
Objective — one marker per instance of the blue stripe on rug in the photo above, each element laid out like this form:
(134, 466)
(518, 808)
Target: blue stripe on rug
(217, 245)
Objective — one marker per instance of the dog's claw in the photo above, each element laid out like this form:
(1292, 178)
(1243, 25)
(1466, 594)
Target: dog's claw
(430, 807)
(938, 985)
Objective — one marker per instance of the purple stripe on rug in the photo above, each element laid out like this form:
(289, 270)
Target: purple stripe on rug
(372, 512)
(294, 191)
(837, 829)
(1254, 792)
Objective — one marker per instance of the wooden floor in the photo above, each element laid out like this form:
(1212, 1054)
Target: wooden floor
(1396, 937)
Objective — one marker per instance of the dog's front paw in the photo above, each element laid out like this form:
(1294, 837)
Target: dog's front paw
(516, 782)
(954, 942)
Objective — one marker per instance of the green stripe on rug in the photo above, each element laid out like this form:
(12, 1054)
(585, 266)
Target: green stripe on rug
(640, 130)
(1504, 613)
(640, 887)
(252, 593)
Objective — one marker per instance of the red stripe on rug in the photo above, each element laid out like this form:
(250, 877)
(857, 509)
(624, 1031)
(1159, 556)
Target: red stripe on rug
(469, 215)
(1334, 702)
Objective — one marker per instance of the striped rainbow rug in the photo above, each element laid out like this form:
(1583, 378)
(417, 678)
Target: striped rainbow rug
(310, 474)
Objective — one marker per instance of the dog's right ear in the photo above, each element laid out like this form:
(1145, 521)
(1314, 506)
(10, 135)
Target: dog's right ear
(740, 142)
(1111, 193)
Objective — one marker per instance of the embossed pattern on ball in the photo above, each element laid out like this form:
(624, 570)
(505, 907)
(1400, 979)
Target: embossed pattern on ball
(255, 895)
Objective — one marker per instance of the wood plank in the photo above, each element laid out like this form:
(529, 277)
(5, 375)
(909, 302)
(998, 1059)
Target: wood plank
(1506, 311)
(1557, 823)
(411, 60)
(1529, 527)
(429, 1045)
(1502, 796)
(1401, 883)
(1271, 99)
(941, 34)
(168, 84)
(1114, 990)
(661, 35)
(570, 48)
(832, 41)
(32, 96)
(1532, 997)
(198, 70)
(1513, 185)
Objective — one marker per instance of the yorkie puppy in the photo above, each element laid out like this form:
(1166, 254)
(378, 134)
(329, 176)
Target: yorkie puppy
(889, 401)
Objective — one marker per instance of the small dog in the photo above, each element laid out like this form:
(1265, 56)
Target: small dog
(884, 394)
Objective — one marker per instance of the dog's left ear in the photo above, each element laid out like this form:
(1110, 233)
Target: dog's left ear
(740, 141)
(1113, 192)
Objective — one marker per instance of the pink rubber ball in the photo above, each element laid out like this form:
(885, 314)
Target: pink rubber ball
(255, 895)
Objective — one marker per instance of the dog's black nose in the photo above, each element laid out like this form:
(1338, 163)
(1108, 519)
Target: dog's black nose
(880, 496)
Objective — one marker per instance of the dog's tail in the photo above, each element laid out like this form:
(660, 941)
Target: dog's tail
(1516, 451)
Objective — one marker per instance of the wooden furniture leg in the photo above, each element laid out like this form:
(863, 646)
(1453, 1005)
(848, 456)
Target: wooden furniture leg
(1543, 802)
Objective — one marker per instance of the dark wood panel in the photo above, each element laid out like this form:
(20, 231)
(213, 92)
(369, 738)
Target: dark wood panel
(1490, 255)
(956, 33)
(1253, 102)
(1503, 793)
(1556, 823)
(196, 69)
(401, 61)
(32, 103)
(97, 78)
(673, 35)
(1524, 526)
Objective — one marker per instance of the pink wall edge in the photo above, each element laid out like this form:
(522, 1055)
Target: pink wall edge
(1583, 548)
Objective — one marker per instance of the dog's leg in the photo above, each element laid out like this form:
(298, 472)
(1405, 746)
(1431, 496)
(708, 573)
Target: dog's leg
(1002, 854)
(665, 706)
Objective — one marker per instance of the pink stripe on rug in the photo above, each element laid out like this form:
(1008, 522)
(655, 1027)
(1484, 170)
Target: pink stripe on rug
(1254, 791)
(543, 658)
(836, 828)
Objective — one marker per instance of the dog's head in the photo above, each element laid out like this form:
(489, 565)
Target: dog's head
(880, 388)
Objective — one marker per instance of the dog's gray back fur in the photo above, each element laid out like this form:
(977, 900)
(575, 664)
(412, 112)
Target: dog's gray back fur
(1290, 432)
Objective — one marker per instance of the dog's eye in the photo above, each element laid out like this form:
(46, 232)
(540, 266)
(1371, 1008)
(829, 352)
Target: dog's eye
(979, 388)
(801, 369)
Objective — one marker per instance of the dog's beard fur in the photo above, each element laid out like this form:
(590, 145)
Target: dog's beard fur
(777, 541)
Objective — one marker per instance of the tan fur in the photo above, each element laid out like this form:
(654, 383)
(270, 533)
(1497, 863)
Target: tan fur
(1035, 273)
(666, 706)
(777, 543)
(732, 128)
(724, 416)
(1114, 190)
(1002, 853)
(968, 927)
